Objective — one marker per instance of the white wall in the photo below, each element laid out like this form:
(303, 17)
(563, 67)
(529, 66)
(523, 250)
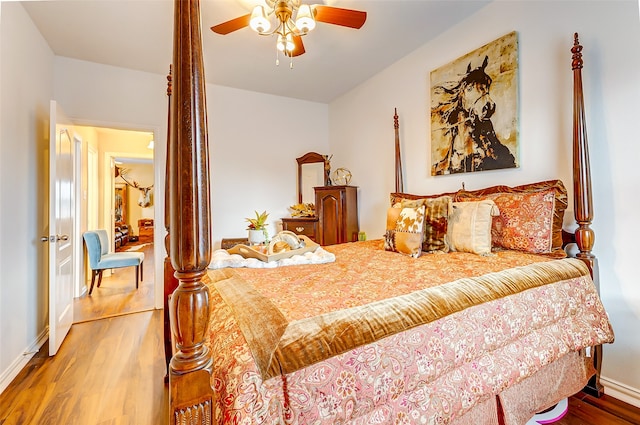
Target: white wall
(253, 151)
(362, 135)
(26, 86)
(254, 138)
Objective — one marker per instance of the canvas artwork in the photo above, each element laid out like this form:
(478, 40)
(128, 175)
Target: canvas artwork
(474, 110)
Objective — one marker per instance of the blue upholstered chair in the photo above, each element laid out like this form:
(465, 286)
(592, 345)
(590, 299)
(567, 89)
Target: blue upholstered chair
(97, 243)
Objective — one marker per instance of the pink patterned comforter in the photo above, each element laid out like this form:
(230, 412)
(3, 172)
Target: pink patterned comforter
(431, 373)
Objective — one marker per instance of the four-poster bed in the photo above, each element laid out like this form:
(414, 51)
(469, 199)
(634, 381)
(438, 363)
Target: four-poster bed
(392, 369)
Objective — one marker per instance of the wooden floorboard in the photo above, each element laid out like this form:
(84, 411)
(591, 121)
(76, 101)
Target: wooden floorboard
(108, 371)
(118, 294)
(588, 410)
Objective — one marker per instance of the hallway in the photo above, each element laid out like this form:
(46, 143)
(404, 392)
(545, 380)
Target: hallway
(118, 295)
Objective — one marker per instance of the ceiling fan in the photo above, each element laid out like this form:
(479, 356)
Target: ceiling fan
(293, 19)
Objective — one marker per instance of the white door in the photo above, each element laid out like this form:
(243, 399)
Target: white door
(61, 225)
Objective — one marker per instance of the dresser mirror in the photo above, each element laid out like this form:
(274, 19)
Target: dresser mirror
(312, 171)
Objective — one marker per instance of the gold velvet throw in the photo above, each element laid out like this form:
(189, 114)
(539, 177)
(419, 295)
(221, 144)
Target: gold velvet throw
(280, 346)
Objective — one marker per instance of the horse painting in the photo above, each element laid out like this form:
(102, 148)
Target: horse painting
(462, 121)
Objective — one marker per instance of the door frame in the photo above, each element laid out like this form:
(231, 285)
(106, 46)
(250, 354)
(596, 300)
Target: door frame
(109, 185)
(78, 282)
(159, 164)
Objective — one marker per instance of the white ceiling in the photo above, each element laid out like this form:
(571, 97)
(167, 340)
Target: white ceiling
(138, 34)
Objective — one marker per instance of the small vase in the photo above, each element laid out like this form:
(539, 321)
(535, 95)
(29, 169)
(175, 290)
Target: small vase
(256, 237)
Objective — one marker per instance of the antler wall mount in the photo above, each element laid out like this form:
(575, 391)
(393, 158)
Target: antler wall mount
(287, 29)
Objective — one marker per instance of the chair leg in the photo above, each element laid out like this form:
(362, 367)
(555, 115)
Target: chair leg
(141, 270)
(93, 280)
(99, 278)
(137, 276)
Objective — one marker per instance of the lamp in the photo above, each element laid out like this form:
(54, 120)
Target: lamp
(285, 43)
(259, 22)
(279, 15)
(305, 21)
(286, 28)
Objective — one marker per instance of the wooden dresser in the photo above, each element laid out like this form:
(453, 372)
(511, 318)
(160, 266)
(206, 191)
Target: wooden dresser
(337, 213)
(307, 226)
(336, 219)
(145, 230)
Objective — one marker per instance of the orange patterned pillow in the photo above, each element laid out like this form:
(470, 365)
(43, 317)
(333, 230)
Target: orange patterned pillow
(560, 204)
(559, 207)
(525, 222)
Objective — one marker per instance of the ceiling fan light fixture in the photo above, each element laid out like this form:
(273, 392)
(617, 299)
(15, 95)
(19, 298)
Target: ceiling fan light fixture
(305, 21)
(289, 45)
(285, 43)
(281, 44)
(259, 22)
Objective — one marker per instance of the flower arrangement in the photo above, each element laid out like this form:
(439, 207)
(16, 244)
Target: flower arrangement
(303, 210)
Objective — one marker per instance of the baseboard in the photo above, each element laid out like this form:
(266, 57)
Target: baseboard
(621, 391)
(16, 366)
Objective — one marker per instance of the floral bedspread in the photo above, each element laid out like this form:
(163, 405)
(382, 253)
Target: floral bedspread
(431, 373)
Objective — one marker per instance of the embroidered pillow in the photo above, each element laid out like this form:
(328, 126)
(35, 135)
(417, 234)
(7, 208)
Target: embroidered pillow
(405, 227)
(525, 222)
(436, 219)
(469, 227)
(559, 207)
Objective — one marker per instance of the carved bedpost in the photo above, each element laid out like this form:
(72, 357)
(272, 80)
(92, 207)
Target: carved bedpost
(396, 127)
(582, 204)
(170, 281)
(190, 393)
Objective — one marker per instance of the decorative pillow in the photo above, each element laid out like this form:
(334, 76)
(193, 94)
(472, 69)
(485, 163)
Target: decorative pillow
(560, 204)
(525, 222)
(436, 218)
(405, 227)
(397, 197)
(470, 226)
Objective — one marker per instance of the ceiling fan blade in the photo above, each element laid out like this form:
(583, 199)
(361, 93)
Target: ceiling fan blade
(232, 25)
(299, 47)
(338, 16)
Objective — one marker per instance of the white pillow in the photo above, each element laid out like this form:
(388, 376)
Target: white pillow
(469, 228)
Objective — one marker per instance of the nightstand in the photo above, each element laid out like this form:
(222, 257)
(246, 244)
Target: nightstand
(307, 226)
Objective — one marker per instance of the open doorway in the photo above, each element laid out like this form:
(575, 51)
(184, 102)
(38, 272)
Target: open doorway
(118, 196)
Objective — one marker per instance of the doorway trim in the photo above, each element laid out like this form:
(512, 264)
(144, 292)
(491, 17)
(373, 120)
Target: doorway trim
(159, 165)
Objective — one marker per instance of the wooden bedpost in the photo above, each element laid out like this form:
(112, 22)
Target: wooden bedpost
(170, 281)
(396, 126)
(582, 204)
(190, 393)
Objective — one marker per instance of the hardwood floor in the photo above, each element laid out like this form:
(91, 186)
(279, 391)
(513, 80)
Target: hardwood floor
(111, 371)
(117, 294)
(108, 371)
(587, 410)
